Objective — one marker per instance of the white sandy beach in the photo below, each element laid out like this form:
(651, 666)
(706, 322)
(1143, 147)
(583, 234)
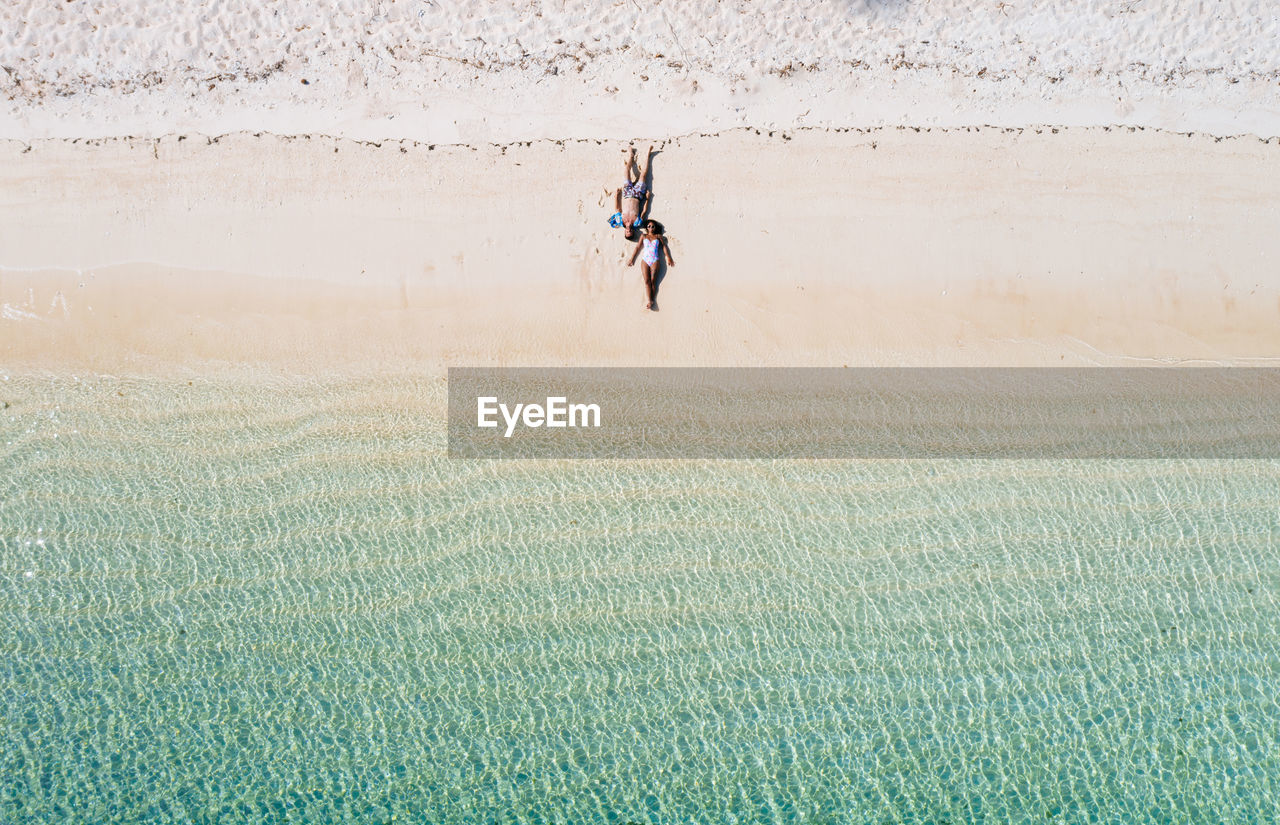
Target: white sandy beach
(256, 564)
(497, 71)
(390, 186)
(893, 246)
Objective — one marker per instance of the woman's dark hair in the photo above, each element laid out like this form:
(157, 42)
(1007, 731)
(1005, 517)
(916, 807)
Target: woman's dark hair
(657, 227)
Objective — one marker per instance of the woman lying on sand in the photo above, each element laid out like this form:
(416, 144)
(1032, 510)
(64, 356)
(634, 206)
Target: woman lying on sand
(649, 247)
(633, 198)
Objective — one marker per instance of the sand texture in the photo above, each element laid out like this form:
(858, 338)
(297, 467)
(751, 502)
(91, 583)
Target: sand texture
(476, 71)
(890, 246)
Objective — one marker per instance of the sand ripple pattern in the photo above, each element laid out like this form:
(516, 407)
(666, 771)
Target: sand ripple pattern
(279, 603)
(523, 53)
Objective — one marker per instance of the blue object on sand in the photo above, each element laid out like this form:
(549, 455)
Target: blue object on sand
(615, 220)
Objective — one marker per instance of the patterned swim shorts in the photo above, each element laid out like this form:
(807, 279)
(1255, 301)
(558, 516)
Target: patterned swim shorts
(633, 190)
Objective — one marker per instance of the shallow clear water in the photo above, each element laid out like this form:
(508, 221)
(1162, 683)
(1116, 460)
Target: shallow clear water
(280, 603)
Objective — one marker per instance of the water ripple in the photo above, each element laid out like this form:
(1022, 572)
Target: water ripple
(274, 603)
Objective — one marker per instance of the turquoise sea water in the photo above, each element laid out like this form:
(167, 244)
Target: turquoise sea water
(281, 603)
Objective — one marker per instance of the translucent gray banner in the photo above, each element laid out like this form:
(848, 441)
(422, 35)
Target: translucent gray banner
(632, 413)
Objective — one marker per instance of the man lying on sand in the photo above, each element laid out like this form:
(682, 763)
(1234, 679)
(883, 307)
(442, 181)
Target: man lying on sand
(650, 245)
(632, 199)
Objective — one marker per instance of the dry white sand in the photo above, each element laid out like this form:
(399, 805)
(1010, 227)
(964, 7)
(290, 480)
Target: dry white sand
(475, 71)
(892, 246)
(471, 230)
